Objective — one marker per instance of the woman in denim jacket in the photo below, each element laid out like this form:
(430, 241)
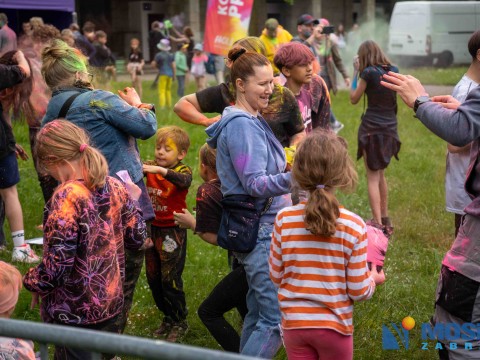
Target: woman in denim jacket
(112, 122)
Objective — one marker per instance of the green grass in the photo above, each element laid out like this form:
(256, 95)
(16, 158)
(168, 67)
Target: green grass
(434, 76)
(423, 233)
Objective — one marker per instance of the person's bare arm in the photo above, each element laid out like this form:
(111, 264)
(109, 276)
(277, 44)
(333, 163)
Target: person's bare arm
(458, 149)
(188, 109)
(295, 139)
(356, 94)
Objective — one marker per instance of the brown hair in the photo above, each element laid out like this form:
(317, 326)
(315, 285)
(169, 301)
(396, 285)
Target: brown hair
(370, 54)
(187, 31)
(243, 63)
(60, 62)
(44, 33)
(208, 157)
(100, 34)
(176, 134)
(16, 98)
(321, 165)
(60, 140)
(252, 43)
(474, 44)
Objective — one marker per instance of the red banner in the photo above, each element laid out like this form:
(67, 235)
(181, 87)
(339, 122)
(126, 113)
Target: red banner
(226, 22)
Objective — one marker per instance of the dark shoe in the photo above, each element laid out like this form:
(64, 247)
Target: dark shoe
(178, 331)
(164, 329)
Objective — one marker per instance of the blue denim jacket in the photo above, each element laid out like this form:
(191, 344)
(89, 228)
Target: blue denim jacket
(112, 124)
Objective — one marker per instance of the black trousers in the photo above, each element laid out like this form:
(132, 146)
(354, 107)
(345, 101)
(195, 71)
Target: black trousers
(165, 262)
(229, 293)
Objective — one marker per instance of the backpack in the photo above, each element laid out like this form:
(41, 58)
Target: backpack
(210, 64)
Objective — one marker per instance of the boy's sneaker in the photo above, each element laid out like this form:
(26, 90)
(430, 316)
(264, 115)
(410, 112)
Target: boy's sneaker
(24, 254)
(337, 126)
(164, 329)
(178, 331)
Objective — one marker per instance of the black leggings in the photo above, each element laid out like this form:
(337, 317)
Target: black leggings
(229, 293)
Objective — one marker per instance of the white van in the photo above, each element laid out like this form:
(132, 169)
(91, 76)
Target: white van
(433, 31)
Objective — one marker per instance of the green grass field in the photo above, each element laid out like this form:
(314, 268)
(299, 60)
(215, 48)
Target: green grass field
(423, 233)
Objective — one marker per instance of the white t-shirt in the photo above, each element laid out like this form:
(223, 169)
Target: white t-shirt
(457, 163)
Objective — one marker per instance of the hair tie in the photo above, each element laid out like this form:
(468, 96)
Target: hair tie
(83, 147)
(238, 54)
(320, 186)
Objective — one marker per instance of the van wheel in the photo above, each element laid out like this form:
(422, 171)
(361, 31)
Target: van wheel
(445, 59)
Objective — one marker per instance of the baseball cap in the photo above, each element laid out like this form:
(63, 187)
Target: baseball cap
(271, 24)
(307, 19)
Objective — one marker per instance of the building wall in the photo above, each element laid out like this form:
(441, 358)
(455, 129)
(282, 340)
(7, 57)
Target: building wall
(126, 24)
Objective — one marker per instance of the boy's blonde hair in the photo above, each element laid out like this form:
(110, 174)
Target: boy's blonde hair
(10, 285)
(60, 140)
(321, 165)
(208, 157)
(176, 134)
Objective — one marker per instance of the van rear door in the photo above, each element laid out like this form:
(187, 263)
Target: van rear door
(408, 31)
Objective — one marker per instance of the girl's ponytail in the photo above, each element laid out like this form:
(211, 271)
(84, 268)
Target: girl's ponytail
(321, 166)
(60, 140)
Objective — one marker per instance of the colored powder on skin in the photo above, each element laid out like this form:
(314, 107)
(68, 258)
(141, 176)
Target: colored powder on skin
(171, 144)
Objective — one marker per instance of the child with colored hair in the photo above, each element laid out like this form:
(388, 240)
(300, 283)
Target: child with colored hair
(295, 62)
(318, 254)
(135, 65)
(10, 285)
(168, 180)
(89, 223)
(232, 290)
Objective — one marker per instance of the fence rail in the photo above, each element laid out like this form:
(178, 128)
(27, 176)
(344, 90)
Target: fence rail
(103, 342)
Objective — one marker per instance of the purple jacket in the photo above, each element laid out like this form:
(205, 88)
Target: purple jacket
(83, 267)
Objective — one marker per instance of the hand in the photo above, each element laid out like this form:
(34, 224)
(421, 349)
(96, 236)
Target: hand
(130, 95)
(408, 87)
(184, 220)
(35, 300)
(347, 82)
(356, 63)
(212, 120)
(20, 152)
(153, 169)
(147, 244)
(134, 190)
(378, 277)
(19, 58)
(447, 101)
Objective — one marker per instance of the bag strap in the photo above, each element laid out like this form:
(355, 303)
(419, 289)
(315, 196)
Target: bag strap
(267, 205)
(66, 105)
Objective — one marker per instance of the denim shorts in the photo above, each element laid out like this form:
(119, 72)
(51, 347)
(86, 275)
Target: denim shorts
(9, 174)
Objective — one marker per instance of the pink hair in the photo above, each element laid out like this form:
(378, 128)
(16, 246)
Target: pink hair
(291, 54)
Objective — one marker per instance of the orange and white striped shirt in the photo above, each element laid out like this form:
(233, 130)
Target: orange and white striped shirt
(319, 277)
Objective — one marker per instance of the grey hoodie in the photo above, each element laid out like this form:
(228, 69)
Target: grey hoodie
(250, 160)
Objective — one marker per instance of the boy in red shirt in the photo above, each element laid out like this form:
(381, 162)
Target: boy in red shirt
(168, 180)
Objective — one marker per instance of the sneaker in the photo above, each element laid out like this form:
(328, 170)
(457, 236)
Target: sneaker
(24, 254)
(337, 126)
(164, 329)
(177, 332)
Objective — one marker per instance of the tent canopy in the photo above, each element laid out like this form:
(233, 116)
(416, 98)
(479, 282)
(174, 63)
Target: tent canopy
(60, 5)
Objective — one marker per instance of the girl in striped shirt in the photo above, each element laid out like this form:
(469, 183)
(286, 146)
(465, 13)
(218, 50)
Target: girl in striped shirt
(318, 255)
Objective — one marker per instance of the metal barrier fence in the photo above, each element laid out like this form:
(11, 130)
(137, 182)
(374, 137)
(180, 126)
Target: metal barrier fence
(102, 342)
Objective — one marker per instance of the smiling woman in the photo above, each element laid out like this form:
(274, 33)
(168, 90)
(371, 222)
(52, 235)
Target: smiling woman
(250, 166)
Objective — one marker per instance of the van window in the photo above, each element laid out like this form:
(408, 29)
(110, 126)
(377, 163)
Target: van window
(407, 22)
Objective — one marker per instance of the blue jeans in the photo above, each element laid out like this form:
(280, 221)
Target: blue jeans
(181, 85)
(261, 331)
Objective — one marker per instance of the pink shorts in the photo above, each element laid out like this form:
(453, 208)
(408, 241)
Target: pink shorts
(317, 344)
